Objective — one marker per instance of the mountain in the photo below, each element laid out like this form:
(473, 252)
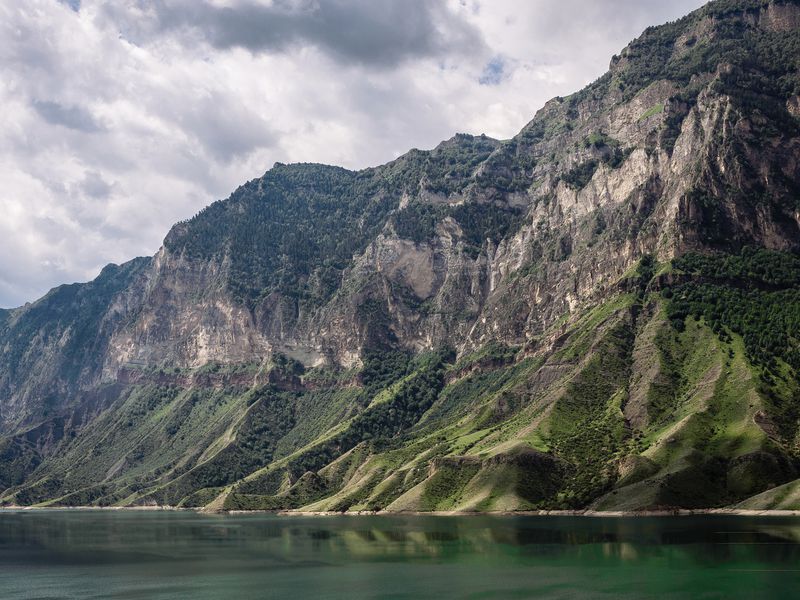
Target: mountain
(603, 311)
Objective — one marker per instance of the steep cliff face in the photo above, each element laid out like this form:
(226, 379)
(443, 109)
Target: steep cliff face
(53, 347)
(288, 343)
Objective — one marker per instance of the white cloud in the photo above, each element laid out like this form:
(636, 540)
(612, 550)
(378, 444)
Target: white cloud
(120, 119)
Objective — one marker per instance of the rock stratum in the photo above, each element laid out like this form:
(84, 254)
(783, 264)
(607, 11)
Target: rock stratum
(602, 312)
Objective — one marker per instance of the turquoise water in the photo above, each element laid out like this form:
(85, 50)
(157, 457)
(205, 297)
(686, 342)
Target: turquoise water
(167, 555)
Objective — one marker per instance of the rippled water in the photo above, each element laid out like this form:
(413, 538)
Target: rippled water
(160, 555)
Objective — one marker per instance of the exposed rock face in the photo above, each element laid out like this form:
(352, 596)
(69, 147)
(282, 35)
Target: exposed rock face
(686, 144)
(184, 318)
(778, 17)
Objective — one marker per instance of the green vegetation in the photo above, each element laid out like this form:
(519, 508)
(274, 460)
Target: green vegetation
(18, 457)
(449, 479)
(752, 266)
(652, 56)
(418, 221)
(282, 232)
(383, 423)
(755, 295)
(509, 169)
(652, 111)
(784, 497)
(586, 427)
(580, 175)
(492, 354)
(445, 170)
(478, 222)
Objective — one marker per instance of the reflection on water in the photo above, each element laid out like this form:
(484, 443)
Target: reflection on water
(165, 555)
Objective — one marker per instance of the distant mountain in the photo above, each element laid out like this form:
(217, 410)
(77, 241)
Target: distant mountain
(603, 311)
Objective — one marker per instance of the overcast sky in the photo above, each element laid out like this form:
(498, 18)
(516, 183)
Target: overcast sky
(119, 118)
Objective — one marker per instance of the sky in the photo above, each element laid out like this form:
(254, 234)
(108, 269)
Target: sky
(119, 118)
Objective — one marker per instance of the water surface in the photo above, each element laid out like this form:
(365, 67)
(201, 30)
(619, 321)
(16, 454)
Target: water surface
(169, 555)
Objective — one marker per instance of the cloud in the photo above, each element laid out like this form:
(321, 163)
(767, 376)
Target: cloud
(94, 186)
(378, 33)
(71, 117)
(226, 134)
(121, 118)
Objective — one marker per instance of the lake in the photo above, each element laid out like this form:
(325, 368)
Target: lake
(166, 555)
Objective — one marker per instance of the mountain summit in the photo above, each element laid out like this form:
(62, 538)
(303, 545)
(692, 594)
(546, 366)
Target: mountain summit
(603, 311)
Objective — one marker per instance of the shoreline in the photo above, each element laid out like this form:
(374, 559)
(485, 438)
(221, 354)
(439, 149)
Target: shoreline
(540, 513)
(554, 513)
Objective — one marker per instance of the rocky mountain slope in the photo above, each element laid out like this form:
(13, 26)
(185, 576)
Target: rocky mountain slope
(602, 311)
